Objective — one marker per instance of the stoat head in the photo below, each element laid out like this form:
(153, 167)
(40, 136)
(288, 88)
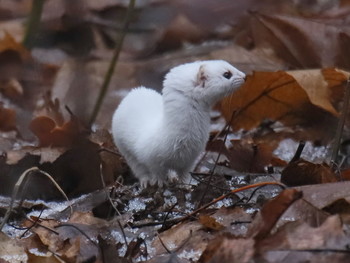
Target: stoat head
(203, 81)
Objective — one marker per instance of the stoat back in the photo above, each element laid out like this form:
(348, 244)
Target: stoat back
(136, 114)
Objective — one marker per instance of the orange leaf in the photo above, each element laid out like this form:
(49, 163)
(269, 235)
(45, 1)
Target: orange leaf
(9, 43)
(265, 95)
(289, 97)
(49, 134)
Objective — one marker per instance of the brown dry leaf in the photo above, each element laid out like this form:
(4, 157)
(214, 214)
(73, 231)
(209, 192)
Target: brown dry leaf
(70, 239)
(245, 155)
(210, 223)
(322, 195)
(265, 95)
(49, 134)
(7, 119)
(48, 237)
(302, 210)
(42, 257)
(316, 87)
(290, 97)
(227, 249)
(282, 31)
(302, 172)
(271, 212)
(299, 242)
(177, 235)
(340, 206)
(51, 108)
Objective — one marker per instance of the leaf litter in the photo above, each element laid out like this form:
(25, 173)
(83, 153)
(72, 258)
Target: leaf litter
(235, 208)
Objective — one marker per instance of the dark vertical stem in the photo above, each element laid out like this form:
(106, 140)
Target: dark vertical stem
(298, 152)
(33, 24)
(108, 76)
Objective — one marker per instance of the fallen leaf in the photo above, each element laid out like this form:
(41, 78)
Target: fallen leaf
(227, 249)
(282, 31)
(245, 155)
(316, 87)
(210, 223)
(271, 212)
(322, 195)
(302, 172)
(301, 243)
(291, 97)
(49, 134)
(340, 206)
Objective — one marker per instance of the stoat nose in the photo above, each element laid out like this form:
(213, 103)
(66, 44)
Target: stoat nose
(242, 75)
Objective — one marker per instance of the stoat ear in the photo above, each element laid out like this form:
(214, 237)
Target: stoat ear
(201, 76)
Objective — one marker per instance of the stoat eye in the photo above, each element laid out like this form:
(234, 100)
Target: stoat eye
(227, 74)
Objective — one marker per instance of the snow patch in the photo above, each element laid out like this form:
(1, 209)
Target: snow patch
(288, 147)
(192, 254)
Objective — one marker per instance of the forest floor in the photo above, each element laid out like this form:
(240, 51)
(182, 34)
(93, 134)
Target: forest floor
(272, 185)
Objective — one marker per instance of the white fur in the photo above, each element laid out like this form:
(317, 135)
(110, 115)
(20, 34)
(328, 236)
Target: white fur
(158, 134)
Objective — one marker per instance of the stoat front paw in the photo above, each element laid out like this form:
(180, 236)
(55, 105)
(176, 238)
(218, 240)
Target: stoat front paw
(153, 182)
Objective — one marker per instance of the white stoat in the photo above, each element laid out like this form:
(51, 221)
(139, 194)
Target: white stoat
(158, 133)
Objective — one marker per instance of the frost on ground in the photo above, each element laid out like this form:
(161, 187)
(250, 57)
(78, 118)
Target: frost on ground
(288, 147)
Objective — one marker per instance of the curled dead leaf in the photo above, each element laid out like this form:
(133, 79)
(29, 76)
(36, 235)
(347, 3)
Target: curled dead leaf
(302, 172)
(49, 134)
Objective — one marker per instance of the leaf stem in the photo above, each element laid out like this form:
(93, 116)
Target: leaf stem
(341, 123)
(33, 24)
(110, 71)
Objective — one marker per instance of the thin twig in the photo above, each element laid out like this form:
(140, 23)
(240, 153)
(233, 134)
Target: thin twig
(81, 232)
(108, 76)
(107, 194)
(33, 24)
(20, 182)
(341, 122)
(33, 223)
(123, 232)
(164, 246)
(227, 129)
(192, 214)
(37, 224)
(228, 194)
